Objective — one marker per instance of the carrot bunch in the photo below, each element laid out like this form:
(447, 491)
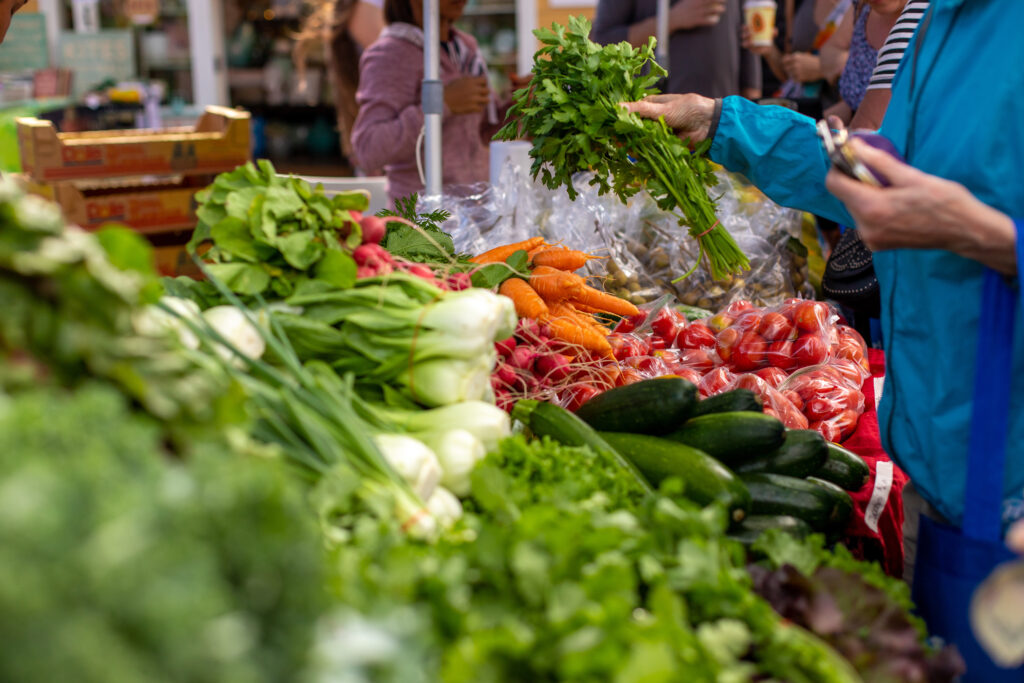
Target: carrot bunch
(557, 297)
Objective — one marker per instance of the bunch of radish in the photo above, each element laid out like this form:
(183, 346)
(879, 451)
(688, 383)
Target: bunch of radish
(533, 364)
(373, 260)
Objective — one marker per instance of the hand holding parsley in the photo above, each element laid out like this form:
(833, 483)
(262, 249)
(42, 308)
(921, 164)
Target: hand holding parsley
(573, 112)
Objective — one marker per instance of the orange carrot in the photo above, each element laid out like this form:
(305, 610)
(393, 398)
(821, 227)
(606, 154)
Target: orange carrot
(556, 285)
(568, 311)
(583, 308)
(570, 332)
(562, 258)
(500, 254)
(605, 302)
(536, 250)
(528, 302)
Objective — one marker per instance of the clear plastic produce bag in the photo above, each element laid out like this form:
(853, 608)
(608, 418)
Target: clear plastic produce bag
(644, 248)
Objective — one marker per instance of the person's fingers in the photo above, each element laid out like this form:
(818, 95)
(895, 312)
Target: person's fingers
(891, 168)
(644, 108)
(1015, 538)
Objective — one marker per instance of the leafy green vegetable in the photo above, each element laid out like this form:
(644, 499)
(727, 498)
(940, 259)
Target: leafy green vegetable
(563, 571)
(269, 234)
(71, 305)
(493, 274)
(571, 111)
(429, 244)
(120, 564)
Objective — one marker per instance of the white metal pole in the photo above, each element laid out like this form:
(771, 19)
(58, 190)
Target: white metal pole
(526, 21)
(433, 98)
(53, 15)
(206, 44)
(661, 51)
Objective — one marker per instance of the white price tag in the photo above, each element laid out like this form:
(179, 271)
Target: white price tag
(880, 494)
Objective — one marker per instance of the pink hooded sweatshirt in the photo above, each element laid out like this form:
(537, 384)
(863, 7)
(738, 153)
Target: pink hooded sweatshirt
(390, 112)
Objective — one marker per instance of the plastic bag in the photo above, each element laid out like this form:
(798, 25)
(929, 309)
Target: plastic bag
(643, 248)
(807, 369)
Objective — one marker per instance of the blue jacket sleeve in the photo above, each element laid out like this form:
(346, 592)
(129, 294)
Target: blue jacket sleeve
(778, 150)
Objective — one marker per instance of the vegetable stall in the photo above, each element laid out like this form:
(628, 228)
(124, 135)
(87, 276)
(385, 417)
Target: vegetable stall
(351, 451)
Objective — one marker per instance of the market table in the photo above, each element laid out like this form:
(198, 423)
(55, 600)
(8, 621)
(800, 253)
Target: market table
(875, 531)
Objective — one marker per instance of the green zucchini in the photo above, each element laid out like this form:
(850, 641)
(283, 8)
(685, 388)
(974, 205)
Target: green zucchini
(843, 503)
(804, 452)
(732, 437)
(706, 479)
(729, 402)
(547, 419)
(751, 528)
(653, 406)
(844, 468)
(777, 494)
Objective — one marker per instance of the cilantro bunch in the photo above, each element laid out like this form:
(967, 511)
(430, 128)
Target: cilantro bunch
(572, 113)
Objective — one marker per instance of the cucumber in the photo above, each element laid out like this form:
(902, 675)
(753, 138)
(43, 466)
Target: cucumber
(653, 406)
(804, 452)
(547, 419)
(706, 479)
(751, 528)
(777, 494)
(729, 402)
(732, 437)
(843, 502)
(844, 469)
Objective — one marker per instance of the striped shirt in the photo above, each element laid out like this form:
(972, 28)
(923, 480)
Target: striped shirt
(899, 37)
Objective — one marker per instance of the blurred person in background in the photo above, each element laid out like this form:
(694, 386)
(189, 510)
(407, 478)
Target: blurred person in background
(874, 19)
(872, 108)
(345, 28)
(705, 54)
(792, 64)
(388, 131)
(7, 10)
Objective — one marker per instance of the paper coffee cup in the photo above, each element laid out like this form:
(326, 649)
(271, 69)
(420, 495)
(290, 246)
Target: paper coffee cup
(760, 18)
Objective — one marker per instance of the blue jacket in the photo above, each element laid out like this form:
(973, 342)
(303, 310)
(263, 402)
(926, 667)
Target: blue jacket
(958, 114)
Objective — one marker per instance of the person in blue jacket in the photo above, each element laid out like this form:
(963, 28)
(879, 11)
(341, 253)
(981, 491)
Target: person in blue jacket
(950, 217)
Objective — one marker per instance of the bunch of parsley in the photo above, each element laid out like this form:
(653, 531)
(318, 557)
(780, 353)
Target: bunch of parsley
(572, 113)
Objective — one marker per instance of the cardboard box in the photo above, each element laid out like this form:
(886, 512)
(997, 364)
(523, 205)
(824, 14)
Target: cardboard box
(172, 260)
(219, 142)
(145, 208)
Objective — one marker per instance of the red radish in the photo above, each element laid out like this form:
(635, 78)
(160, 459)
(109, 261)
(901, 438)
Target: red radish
(505, 346)
(522, 357)
(357, 216)
(506, 374)
(459, 281)
(554, 367)
(363, 272)
(373, 229)
(371, 255)
(420, 270)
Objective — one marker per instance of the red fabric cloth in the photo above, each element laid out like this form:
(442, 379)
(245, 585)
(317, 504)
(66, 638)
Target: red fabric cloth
(885, 545)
